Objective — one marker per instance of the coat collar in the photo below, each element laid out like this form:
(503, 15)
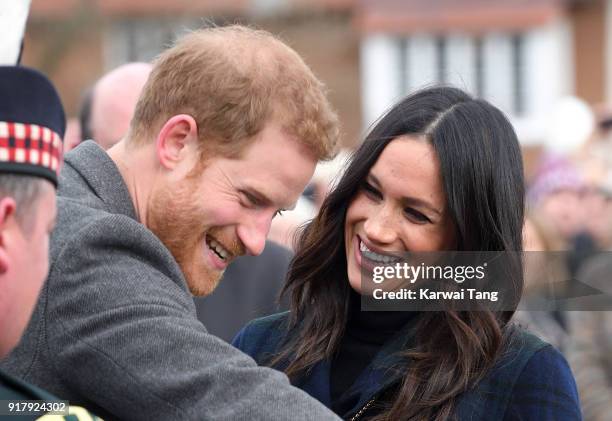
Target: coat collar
(376, 377)
(103, 177)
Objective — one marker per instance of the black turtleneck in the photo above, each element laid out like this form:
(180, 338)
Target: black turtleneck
(365, 334)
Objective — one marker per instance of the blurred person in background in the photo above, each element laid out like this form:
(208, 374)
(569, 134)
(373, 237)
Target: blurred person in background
(108, 106)
(326, 175)
(440, 171)
(595, 162)
(596, 206)
(595, 158)
(559, 194)
(225, 135)
(589, 349)
(284, 227)
(556, 193)
(545, 264)
(72, 138)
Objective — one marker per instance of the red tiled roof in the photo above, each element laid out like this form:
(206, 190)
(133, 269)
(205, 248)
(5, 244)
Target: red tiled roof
(324, 4)
(140, 7)
(43, 9)
(409, 16)
(52, 8)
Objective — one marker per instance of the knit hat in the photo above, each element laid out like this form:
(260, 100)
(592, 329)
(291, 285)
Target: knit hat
(555, 173)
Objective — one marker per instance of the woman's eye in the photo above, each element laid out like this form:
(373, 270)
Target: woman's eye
(371, 191)
(416, 215)
(279, 212)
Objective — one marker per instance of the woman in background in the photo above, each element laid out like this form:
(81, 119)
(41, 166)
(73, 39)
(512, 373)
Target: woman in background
(545, 266)
(440, 171)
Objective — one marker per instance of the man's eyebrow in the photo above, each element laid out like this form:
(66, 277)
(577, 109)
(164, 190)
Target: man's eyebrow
(263, 200)
(258, 196)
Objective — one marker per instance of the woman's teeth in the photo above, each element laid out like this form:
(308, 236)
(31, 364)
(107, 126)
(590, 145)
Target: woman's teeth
(217, 248)
(380, 258)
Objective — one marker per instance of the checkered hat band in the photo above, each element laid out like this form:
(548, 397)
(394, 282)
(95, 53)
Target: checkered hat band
(30, 145)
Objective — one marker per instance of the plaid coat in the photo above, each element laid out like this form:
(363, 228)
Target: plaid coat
(530, 381)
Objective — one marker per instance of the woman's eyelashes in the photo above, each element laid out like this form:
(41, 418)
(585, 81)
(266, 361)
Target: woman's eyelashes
(411, 213)
(416, 216)
(371, 191)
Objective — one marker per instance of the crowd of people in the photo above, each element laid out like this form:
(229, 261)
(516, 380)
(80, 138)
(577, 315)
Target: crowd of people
(569, 227)
(174, 176)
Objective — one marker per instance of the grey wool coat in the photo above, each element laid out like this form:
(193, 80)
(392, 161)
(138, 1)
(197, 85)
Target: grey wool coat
(115, 328)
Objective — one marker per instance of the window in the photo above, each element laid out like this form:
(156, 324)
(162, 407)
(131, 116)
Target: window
(479, 71)
(517, 73)
(441, 57)
(142, 40)
(489, 67)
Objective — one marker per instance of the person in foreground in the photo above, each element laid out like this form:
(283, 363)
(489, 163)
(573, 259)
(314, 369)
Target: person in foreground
(226, 133)
(32, 123)
(440, 171)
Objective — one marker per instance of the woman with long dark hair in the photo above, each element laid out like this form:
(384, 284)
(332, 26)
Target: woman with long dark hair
(440, 171)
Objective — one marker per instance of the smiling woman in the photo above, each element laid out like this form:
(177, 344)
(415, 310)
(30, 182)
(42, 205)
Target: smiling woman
(389, 216)
(440, 171)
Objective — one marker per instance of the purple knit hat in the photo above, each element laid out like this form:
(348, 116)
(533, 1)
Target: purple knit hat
(554, 173)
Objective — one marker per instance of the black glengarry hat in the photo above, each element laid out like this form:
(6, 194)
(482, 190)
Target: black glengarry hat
(32, 124)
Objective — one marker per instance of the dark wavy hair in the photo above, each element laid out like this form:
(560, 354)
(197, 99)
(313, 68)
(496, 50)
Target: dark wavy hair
(482, 172)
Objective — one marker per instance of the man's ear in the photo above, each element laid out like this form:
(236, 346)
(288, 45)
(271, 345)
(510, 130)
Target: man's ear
(175, 135)
(7, 223)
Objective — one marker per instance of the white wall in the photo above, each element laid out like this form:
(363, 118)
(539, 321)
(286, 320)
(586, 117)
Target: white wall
(548, 76)
(422, 61)
(380, 75)
(498, 83)
(608, 52)
(460, 59)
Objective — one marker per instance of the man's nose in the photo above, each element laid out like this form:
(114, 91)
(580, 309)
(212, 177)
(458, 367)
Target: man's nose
(253, 232)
